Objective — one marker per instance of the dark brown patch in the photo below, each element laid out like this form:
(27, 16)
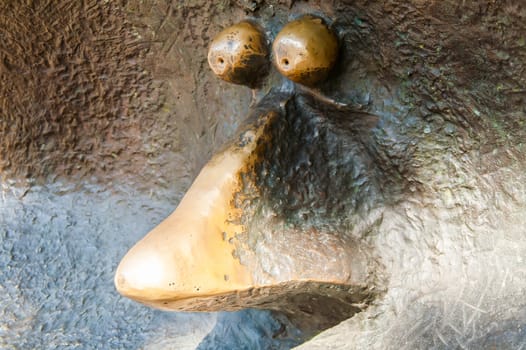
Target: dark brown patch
(73, 90)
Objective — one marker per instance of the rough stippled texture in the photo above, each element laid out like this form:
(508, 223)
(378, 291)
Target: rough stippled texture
(91, 90)
(74, 87)
(104, 93)
(307, 182)
(120, 92)
(315, 167)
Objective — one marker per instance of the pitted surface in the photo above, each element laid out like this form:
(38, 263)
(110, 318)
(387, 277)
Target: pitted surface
(446, 81)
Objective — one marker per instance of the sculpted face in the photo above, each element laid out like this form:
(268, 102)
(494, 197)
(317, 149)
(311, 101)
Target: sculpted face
(328, 204)
(269, 214)
(375, 186)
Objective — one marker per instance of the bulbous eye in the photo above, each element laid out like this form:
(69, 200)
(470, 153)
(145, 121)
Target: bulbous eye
(239, 54)
(305, 50)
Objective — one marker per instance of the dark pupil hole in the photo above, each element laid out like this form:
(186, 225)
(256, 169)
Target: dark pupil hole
(285, 61)
(221, 60)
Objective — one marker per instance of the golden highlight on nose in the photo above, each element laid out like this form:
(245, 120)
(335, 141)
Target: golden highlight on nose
(190, 254)
(305, 50)
(239, 54)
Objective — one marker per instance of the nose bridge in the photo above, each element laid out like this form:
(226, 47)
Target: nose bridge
(190, 254)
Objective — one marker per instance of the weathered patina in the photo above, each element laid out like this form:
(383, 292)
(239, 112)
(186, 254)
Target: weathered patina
(239, 54)
(305, 50)
(409, 158)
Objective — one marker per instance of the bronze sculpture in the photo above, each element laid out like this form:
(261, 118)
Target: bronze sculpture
(239, 54)
(408, 158)
(309, 181)
(305, 50)
(205, 256)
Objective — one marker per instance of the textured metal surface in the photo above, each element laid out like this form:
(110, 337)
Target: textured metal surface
(240, 54)
(305, 50)
(114, 93)
(59, 247)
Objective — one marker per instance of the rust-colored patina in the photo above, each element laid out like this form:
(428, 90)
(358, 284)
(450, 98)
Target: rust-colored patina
(305, 50)
(239, 54)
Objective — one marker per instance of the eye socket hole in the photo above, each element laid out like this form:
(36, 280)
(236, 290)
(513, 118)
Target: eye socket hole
(221, 61)
(285, 62)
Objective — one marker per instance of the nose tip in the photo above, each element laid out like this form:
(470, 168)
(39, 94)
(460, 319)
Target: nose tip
(139, 274)
(187, 256)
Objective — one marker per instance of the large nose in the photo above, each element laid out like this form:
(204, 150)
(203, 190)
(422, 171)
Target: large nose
(190, 254)
(253, 229)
